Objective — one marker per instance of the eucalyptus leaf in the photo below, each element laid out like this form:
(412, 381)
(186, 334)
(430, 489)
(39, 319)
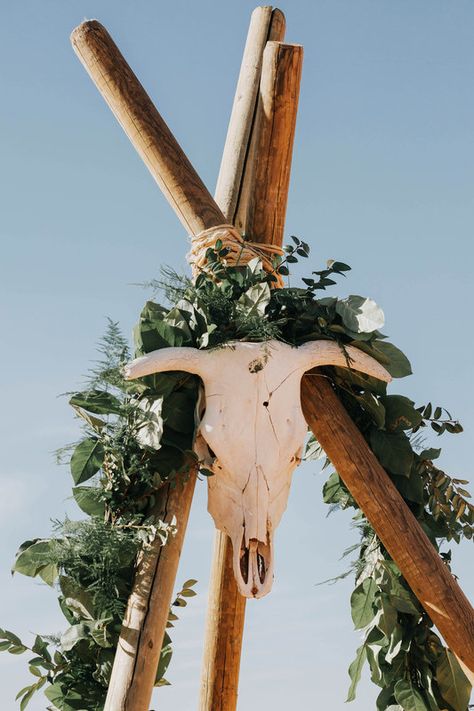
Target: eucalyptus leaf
(362, 603)
(409, 697)
(35, 559)
(165, 659)
(99, 402)
(355, 671)
(74, 634)
(89, 499)
(393, 450)
(150, 419)
(398, 364)
(400, 413)
(453, 684)
(86, 459)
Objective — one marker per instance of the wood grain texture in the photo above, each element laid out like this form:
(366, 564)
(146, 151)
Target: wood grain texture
(141, 637)
(226, 606)
(264, 194)
(145, 128)
(243, 113)
(392, 520)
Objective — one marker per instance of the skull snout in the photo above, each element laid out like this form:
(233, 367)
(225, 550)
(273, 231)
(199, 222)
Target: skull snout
(253, 566)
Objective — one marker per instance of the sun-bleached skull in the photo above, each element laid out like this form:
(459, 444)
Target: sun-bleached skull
(253, 429)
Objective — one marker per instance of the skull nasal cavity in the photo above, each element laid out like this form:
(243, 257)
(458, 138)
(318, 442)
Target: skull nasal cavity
(244, 564)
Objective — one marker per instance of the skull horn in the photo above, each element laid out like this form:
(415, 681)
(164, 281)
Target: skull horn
(190, 360)
(317, 353)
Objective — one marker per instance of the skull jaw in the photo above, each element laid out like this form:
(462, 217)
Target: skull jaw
(253, 565)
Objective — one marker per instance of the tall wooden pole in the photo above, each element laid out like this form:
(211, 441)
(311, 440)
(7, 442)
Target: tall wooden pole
(226, 607)
(419, 563)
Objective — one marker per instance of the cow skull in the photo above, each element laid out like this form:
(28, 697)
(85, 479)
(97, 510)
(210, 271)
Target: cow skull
(252, 430)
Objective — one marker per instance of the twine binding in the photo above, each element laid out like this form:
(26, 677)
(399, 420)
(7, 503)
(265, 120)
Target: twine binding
(240, 250)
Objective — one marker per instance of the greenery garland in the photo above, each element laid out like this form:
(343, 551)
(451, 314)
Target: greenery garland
(138, 436)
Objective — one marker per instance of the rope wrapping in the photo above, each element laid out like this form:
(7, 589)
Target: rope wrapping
(240, 250)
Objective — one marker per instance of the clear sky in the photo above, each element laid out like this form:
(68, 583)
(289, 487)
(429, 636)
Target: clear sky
(382, 178)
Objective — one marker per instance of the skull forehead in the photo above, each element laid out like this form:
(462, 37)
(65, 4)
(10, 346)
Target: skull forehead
(250, 361)
(253, 419)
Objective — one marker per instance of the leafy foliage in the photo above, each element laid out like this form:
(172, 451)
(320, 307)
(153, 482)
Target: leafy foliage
(138, 436)
(92, 562)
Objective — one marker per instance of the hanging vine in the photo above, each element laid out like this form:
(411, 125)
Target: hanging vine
(138, 436)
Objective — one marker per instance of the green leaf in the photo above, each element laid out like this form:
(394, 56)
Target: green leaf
(98, 401)
(388, 618)
(41, 647)
(18, 650)
(453, 684)
(76, 598)
(360, 314)
(73, 635)
(27, 697)
(88, 498)
(334, 491)
(393, 450)
(373, 406)
(86, 459)
(362, 603)
(400, 413)
(255, 300)
(165, 659)
(36, 560)
(150, 429)
(398, 364)
(429, 454)
(12, 638)
(409, 697)
(94, 422)
(400, 597)
(355, 671)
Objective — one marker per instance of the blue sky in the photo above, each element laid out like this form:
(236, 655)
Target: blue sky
(382, 179)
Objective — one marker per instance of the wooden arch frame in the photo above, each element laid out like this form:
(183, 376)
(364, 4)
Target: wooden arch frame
(254, 173)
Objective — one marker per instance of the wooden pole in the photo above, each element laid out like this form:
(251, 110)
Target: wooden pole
(138, 650)
(392, 520)
(450, 611)
(280, 80)
(266, 25)
(145, 128)
(262, 206)
(141, 637)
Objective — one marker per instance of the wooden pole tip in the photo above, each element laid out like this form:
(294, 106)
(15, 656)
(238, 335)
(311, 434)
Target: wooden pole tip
(85, 28)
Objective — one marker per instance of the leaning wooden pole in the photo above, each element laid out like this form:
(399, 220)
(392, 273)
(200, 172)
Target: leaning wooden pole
(251, 120)
(419, 563)
(392, 520)
(139, 646)
(145, 127)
